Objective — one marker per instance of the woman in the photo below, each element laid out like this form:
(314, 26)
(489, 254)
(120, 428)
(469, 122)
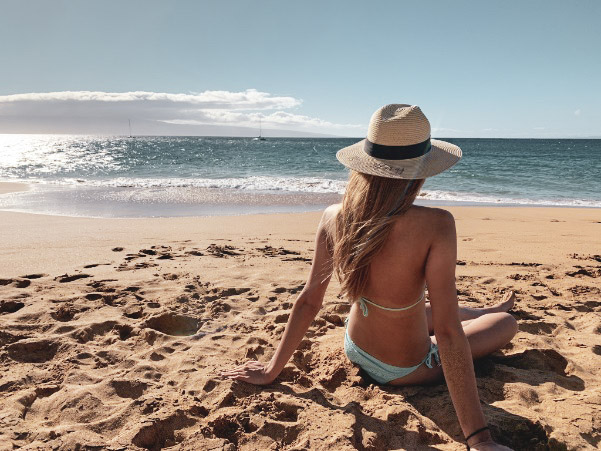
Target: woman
(385, 250)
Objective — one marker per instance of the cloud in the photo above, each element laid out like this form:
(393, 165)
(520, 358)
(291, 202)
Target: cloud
(539, 128)
(242, 109)
(577, 112)
(249, 99)
(277, 119)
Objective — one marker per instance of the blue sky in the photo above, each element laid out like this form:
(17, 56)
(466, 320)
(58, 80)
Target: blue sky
(476, 68)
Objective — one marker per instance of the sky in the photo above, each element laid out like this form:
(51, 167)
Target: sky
(507, 69)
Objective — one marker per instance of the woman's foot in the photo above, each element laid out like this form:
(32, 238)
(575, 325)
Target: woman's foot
(505, 305)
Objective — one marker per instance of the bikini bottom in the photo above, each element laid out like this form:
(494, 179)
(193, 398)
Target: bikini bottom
(383, 372)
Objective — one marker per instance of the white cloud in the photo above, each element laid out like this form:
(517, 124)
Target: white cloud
(243, 109)
(577, 112)
(278, 119)
(249, 99)
(539, 128)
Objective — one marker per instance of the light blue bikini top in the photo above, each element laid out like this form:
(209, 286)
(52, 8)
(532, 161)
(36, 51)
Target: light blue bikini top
(364, 301)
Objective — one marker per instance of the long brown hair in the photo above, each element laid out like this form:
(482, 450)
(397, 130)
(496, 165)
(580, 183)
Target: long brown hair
(369, 208)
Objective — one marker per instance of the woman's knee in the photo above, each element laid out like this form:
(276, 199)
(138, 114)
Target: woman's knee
(503, 324)
(509, 325)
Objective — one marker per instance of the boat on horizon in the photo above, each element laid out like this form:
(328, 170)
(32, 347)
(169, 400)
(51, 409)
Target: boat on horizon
(259, 138)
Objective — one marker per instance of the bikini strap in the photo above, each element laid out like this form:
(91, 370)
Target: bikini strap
(363, 306)
(433, 352)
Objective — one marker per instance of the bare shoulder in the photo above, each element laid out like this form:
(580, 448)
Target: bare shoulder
(332, 211)
(436, 220)
(329, 215)
(327, 225)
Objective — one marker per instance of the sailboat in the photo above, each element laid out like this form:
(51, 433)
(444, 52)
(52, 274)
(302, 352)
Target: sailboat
(259, 138)
(129, 121)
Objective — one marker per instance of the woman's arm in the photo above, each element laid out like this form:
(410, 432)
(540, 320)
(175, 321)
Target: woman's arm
(454, 348)
(303, 312)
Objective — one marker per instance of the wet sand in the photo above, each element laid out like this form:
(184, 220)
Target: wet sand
(9, 187)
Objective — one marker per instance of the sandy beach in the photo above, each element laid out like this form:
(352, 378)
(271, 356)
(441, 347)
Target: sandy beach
(113, 331)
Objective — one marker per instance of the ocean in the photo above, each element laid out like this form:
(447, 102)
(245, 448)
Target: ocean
(189, 176)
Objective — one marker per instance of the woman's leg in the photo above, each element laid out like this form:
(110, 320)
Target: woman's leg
(487, 330)
(486, 334)
(466, 314)
(490, 332)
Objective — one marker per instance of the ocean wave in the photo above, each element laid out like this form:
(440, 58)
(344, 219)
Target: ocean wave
(307, 185)
(254, 183)
(477, 198)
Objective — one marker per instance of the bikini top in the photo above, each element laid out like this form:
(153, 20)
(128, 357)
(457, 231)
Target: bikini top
(364, 301)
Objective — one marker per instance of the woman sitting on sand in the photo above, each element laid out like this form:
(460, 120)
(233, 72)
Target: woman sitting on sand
(385, 250)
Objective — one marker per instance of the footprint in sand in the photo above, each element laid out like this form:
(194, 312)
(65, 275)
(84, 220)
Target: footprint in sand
(94, 265)
(161, 432)
(128, 389)
(34, 276)
(124, 331)
(298, 259)
(209, 386)
(65, 278)
(8, 338)
(227, 427)
(11, 306)
(173, 324)
(270, 251)
(595, 257)
(222, 251)
(582, 289)
(588, 272)
(156, 357)
(133, 311)
(17, 283)
(33, 350)
(64, 313)
(89, 333)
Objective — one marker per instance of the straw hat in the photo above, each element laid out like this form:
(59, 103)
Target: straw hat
(399, 146)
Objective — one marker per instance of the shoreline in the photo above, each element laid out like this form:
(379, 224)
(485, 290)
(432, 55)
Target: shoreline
(13, 187)
(178, 202)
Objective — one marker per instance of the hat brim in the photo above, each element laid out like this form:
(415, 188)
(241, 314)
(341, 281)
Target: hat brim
(441, 157)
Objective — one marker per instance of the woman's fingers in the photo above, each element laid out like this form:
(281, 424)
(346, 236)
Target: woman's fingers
(253, 365)
(241, 377)
(246, 372)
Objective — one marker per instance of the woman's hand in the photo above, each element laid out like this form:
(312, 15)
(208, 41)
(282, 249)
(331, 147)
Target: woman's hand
(252, 371)
(489, 445)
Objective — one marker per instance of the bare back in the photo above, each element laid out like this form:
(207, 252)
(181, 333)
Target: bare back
(396, 279)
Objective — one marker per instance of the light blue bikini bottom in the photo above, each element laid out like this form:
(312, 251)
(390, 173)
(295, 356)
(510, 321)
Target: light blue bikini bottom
(379, 371)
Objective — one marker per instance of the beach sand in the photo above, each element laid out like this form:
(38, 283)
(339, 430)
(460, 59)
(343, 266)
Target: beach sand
(113, 331)
(9, 187)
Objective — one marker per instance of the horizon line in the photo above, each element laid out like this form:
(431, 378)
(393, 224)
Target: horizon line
(287, 137)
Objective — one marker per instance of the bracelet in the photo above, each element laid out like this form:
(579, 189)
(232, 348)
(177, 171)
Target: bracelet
(477, 431)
